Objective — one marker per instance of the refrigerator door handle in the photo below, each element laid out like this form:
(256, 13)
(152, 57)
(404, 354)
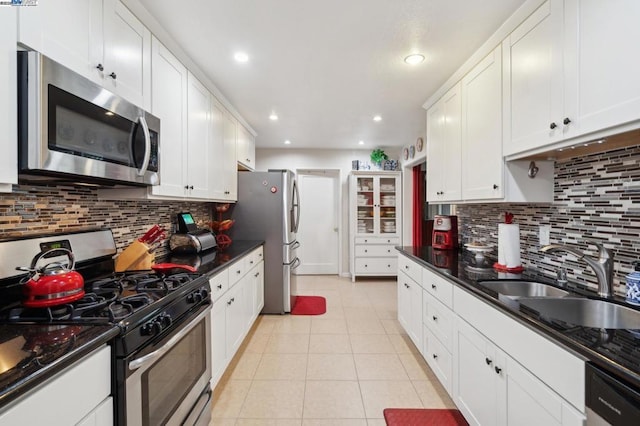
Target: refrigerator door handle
(295, 245)
(295, 263)
(295, 205)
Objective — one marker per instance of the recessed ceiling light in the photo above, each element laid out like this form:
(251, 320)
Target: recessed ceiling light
(377, 118)
(361, 143)
(414, 59)
(241, 57)
(273, 116)
(287, 142)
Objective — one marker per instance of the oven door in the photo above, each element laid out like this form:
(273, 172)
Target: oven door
(169, 381)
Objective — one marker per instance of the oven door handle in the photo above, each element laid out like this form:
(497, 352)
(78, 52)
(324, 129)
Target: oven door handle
(147, 146)
(139, 362)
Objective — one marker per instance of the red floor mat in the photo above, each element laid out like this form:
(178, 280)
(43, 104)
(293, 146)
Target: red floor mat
(309, 305)
(423, 417)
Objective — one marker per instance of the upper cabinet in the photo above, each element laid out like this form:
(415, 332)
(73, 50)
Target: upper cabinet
(227, 157)
(198, 173)
(555, 63)
(100, 39)
(246, 148)
(8, 117)
(444, 148)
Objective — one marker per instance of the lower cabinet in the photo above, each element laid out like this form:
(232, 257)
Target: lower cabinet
(410, 307)
(492, 388)
(238, 295)
(64, 401)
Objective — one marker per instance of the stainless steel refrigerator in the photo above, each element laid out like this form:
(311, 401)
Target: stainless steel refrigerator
(268, 209)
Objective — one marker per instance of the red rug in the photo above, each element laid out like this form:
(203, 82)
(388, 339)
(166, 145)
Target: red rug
(423, 417)
(309, 305)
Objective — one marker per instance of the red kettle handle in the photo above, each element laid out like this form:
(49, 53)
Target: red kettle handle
(166, 267)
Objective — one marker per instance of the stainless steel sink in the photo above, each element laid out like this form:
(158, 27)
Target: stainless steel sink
(586, 312)
(517, 289)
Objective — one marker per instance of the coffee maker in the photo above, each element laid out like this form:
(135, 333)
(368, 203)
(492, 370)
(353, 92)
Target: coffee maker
(445, 232)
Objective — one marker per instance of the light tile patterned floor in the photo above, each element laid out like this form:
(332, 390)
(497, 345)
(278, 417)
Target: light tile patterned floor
(338, 369)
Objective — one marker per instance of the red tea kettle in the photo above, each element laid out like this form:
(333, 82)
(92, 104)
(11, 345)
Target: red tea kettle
(52, 284)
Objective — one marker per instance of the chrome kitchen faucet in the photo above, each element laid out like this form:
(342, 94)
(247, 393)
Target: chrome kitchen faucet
(603, 266)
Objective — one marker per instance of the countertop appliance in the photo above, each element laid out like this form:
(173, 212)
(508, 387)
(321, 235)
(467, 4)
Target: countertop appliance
(608, 400)
(164, 321)
(190, 239)
(71, 129)
(268, 209)
(445, 232)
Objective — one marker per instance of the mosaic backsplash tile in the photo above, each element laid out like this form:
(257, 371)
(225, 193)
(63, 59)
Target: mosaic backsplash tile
(32, 210)
(595, 197)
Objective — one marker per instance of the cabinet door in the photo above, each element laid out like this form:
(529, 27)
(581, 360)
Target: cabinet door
(365, 200)
(67, 31)
(388, 213)
(258, 289)
(600, 36)
(169, 103)
(452, 139)
(476, 384)
(435, 151)
(533, 81)
(246, 149)
(228, 158)
(404, 302)
(216, 162)
(127, 54)
(199, 149)
(482, 161)
(235, 317)
(219, 357)
(8, 118)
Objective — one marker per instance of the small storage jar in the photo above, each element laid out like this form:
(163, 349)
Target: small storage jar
(633, 284)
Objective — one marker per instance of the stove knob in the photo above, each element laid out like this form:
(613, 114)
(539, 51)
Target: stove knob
(194, 297)
(152, 328)
(205, 293)
(164, 320)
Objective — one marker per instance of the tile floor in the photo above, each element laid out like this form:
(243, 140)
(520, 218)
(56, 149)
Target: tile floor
(340, 368)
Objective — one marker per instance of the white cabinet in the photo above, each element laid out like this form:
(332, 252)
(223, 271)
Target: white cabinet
(8, 95)
(599, 37)
(226, 157)
(444, 130)
(67, 396)
(492, 388)
(238, 296)
(100, 39)
(246, 148)
(169, 104)
(533, 81)
(410, 307)
(375, 214)
(197, 172)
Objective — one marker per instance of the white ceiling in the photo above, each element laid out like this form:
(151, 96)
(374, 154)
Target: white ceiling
(327, 67)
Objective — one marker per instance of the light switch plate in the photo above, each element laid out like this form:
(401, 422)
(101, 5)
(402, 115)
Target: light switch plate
(544, 233)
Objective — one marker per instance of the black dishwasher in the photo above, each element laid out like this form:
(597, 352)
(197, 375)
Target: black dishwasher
(610, 401)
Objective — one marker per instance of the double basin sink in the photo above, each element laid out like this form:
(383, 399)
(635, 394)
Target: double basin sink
(557, 304)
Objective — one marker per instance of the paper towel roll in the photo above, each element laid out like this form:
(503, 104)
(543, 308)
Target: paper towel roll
(509, 245)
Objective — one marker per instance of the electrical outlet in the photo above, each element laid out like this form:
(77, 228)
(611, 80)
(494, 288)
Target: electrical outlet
(544, 233)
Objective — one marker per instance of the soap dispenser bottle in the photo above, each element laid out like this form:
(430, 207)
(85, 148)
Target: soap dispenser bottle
(633, 284)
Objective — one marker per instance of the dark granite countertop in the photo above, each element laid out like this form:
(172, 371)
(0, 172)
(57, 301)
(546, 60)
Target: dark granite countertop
(617, 351)
(32, 353)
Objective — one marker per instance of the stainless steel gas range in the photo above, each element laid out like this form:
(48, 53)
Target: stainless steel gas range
(162, 361)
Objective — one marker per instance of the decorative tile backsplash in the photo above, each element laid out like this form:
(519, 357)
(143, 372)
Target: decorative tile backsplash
(595, 197)
(31, 210)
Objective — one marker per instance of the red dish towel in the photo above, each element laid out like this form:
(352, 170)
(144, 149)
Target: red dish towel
(423, 417)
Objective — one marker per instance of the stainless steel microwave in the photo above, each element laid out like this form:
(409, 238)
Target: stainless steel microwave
(72, 129)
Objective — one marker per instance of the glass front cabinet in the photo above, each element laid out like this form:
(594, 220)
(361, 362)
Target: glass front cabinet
(375, 214)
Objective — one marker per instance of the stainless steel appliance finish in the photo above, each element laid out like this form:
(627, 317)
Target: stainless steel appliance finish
(268, 209)
(70, 128)
(608, 400)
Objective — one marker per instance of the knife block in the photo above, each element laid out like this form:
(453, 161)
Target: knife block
(135, 257)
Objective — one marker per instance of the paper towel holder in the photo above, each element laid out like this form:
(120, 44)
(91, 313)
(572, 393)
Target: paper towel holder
(533, 170)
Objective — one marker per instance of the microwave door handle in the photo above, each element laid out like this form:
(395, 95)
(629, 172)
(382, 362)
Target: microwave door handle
(147, 146)
(139, 362)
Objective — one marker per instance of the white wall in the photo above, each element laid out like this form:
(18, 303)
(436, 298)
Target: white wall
(293, 159)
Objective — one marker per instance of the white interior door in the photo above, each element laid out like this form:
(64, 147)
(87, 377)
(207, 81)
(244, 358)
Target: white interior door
(318, 232)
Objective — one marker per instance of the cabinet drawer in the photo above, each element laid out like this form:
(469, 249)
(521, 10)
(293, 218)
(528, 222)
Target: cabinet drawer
(237, 270)
(374, 250)
(438, 319)
(254, 258)
(410, 268)
(394, 241)
(440, 288)
(378, 265)
(438, 358)
(219, 284)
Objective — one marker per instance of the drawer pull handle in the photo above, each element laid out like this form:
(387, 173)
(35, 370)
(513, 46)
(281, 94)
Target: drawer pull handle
(219, 286)
(238, 271)
(498, 370)
(435, 356)
(433, 286)
(366, 251)
(256, 274)
(406, 285)
(488, 361)
(406, 266)
(435, 318)
(113, 75)
(100, 67)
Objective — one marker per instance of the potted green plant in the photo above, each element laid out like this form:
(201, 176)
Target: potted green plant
(378, 156)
